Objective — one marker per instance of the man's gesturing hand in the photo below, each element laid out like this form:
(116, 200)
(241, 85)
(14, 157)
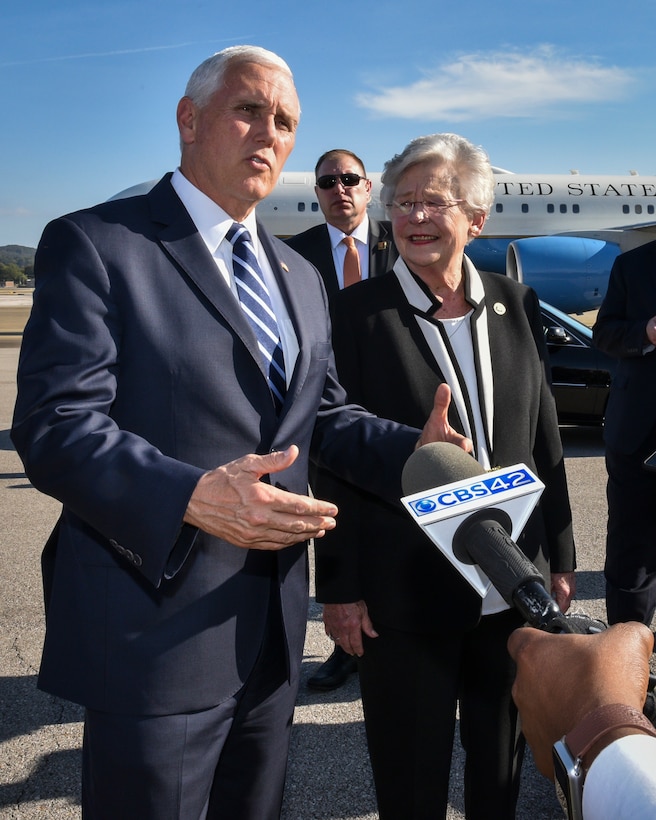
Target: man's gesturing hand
(231, 502)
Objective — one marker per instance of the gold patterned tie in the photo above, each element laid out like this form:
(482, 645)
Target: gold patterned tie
(351, 262)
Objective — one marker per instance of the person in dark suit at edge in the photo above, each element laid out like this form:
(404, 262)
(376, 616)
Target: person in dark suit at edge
(163, 417)
(344, 192)
(625, 328)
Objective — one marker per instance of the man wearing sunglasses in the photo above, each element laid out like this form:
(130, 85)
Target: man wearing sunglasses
(344, 193)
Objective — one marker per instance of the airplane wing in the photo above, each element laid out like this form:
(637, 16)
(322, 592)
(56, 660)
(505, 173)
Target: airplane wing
(627, 237)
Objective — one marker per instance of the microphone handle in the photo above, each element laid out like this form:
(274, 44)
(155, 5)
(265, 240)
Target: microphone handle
(483, 539)
(538, 607)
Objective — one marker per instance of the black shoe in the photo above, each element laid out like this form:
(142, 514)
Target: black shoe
(334, 672)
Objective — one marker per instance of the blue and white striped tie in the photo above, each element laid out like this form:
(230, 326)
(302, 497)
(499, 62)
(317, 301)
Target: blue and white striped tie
(256, 304)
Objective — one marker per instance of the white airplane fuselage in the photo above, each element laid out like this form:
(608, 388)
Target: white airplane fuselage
(525, 204)
(559, 233)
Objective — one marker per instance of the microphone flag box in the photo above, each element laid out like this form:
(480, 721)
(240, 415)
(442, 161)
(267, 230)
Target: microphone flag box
(440, 511)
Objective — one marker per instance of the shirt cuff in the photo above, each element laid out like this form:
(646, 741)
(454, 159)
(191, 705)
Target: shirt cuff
(621, 782)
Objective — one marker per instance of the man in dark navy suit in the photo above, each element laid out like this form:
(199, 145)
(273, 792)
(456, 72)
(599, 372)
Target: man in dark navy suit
(344, 192)
(176, 577)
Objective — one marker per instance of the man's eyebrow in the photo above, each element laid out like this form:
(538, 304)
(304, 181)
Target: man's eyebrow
(263, 105)
(252, 102)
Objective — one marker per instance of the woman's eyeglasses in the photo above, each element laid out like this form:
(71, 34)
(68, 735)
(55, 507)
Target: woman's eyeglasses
(430, 207)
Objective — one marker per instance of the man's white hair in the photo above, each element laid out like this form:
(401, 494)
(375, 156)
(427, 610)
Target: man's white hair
(207, 78)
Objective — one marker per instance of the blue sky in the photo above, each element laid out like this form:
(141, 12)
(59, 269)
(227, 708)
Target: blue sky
(89, 90)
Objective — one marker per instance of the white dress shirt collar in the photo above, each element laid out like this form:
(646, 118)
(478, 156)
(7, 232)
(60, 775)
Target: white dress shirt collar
(212, 222)
(360, 234)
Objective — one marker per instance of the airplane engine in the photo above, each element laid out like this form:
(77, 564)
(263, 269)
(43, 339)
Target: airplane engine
(569, 272)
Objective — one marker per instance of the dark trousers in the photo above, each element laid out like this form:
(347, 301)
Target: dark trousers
(630, 568)
(411, 685)
(225, 763)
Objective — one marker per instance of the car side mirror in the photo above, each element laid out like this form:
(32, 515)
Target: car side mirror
(557, 335)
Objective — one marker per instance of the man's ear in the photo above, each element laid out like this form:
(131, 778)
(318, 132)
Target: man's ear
(186, 117)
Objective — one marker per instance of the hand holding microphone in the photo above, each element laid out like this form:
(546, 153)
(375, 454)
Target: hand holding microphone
(561, 679)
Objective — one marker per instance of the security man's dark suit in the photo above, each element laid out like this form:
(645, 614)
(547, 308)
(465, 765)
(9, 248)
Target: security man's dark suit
(314, 245)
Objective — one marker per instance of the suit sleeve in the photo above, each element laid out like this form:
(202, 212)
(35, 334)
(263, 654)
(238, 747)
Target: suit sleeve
(618, 330)
(337, 561)
(72, 448)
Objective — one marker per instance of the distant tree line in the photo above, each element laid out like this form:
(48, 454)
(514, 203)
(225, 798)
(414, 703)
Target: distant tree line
(16, 264)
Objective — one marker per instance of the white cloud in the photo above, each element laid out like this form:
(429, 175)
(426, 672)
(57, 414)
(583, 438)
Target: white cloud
(500, 84)
(17, 211)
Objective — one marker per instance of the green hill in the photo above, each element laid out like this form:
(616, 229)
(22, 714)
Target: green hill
(17, 254)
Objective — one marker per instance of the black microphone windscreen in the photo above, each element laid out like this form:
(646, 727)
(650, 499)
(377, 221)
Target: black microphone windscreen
(436, 464)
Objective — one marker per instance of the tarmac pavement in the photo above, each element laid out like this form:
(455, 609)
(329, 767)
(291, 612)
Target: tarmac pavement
(329, 776)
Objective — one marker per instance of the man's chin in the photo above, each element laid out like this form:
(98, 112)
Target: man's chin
(342, 210)
(257, 188)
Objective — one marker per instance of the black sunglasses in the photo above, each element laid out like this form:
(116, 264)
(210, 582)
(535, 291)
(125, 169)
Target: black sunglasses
(347, 180)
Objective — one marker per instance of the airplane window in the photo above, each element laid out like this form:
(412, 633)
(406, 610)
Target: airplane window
(650, 209)
(301, 206)
(575, 208)
(314, 207)
(563, 209)
(625, 209)
(550, 208)
(638, 209)
(524, 208)
(499, 208)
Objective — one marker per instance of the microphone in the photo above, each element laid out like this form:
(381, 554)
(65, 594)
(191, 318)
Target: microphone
(444, 486)
(444, 473)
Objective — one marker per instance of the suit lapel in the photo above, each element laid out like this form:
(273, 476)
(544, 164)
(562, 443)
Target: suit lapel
(374, 233)
(421, 305)
(325, 262)
(476, 296)
(180, 239)
(184, 245)
(380, 242)
(290, 281)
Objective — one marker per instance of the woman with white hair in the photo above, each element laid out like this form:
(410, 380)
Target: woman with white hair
(426, 640)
